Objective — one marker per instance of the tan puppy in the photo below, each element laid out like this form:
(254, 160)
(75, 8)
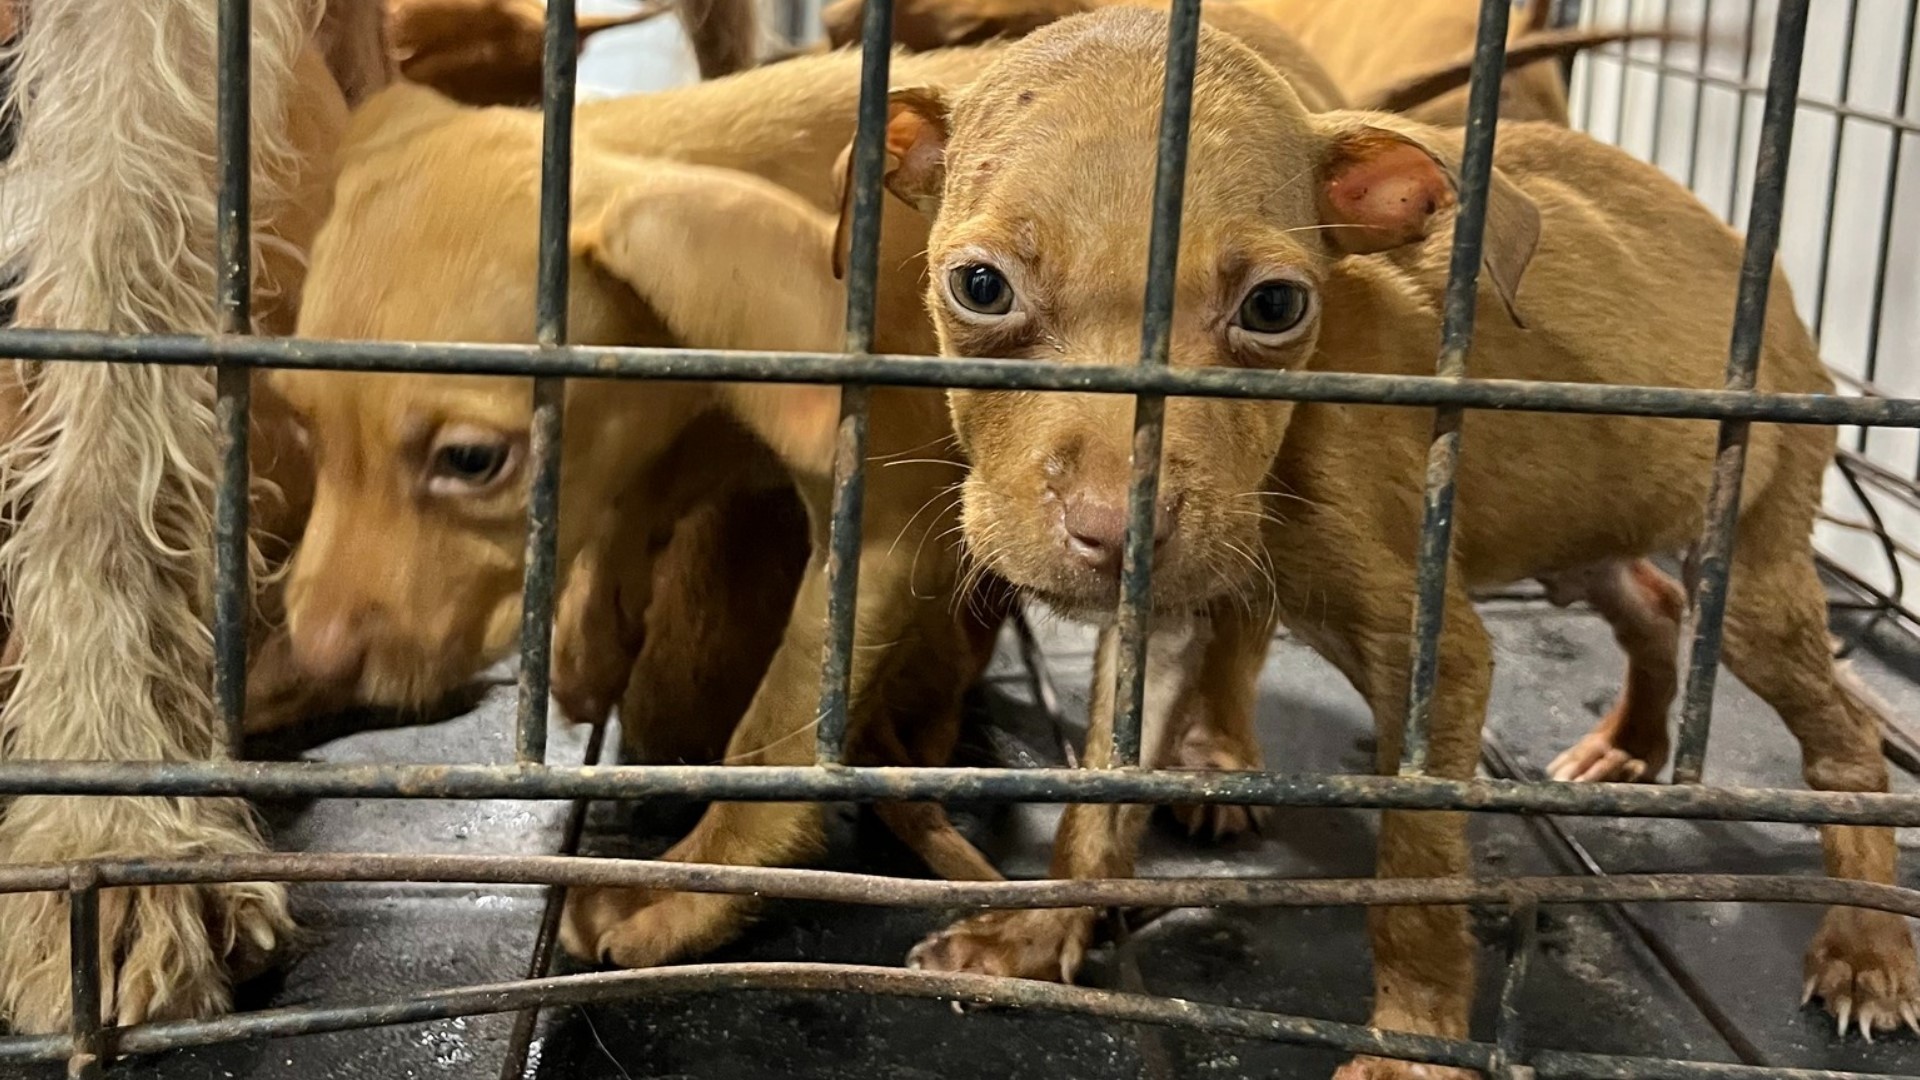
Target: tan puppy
(1393, 55)
(408, 574)
(1401, 70)
(1345, 273)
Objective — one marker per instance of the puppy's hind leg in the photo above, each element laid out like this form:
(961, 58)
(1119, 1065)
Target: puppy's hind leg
(1644, 606)
(1861, 964)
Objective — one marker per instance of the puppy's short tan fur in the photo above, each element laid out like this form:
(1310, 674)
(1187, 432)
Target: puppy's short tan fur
(1396, 65)
(407, 578)
(1337, 229)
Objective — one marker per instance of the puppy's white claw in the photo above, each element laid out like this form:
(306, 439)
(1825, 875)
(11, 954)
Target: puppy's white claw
(1844, 1010)
(1806, 991)
(1912, 1018)
(959, 1008)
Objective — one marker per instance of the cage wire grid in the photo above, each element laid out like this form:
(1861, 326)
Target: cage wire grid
(1768, 100)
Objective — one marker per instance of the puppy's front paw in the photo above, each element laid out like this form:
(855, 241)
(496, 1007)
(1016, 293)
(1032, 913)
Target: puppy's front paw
(1373, 1068)
(1602, 756)
(1861, 966)
(1202, 748)
(1595, 760)
(1047, 945)
(638, 928)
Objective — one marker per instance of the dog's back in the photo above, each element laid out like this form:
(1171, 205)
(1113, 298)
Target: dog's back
(1632, 283)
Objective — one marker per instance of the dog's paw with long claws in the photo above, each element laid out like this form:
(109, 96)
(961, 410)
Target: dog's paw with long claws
(1373, 1068)
(1202, 748)
(1047, 944)
(1861, 966)
(639, 928)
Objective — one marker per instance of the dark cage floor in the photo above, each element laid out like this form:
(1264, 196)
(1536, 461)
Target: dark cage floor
(1727, 988)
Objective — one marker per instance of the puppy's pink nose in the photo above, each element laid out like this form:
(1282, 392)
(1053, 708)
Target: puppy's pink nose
(332, 650)
(1096, 528)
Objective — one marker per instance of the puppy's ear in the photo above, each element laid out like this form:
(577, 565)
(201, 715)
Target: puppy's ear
(1382, 188)
(915, 167)
(723, 259)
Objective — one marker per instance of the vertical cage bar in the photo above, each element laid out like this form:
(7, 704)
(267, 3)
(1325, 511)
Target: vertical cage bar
(1150, 410)
(1589, 62)
(1510, 1044)
(850, 440)
(1699, 94)
(1709, 563)
(549, 394)
(1443, 455)
(1889, 196)
(796, 26)
(87, 1060)
(1833, 170)
(1626, 88)
(232, 591)
(1660, 76)
(513, 1064)
(1740, 113)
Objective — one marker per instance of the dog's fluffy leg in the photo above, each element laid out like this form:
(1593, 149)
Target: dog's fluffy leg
(109, 487)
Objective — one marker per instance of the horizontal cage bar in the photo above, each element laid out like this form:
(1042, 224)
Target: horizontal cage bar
(738, 783)
(608, 362)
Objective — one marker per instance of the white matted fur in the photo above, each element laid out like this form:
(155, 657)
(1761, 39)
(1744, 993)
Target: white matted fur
(106, 484)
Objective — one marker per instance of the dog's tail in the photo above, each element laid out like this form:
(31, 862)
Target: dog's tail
(1530, 48)
(725, 34)
(105, 475)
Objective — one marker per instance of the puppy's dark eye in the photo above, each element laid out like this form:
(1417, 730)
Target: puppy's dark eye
(471, 463)
(1273, 308)
(981, 289)
(467, 466)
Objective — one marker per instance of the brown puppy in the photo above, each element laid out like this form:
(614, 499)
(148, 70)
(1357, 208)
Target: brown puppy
(1322, 242)
(408, 573)
(1347, 36)
(491, 52)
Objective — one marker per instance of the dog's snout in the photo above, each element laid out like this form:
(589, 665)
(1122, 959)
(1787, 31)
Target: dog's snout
(332, 648)
(1095, 524)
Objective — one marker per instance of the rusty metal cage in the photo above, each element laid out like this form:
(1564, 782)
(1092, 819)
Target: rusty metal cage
(1450, 392)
